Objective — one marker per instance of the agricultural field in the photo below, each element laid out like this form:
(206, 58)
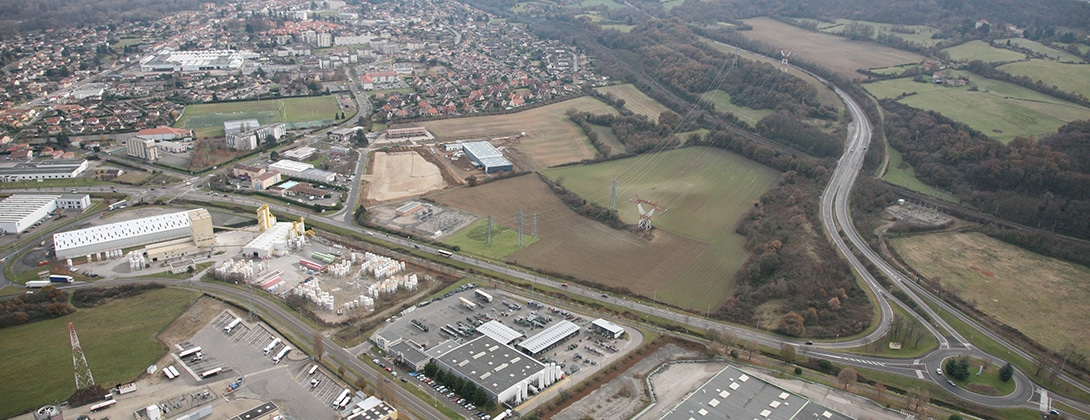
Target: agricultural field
(551, 138)
(594, 3)
(980, 50)
(1045, 50)
(473, 239)
(824, 95)
(837, 53)
(901, 173)
(921, 36)
(206, 120)
(1018, 287)
(570, 244)
(39, 353)
(1001, 110)
(722, 103)
(635, 100)
(606, 136)
(1074, 78)
(705, 192)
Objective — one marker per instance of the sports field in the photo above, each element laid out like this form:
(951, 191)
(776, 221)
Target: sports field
(206, 120)
(118, 340)
(1074, 78)
(831, 51)
(980, 50)
(722, 103)
(1001, 110)
(705, 192)
(824, 95)
(1035, 294)
(635, 100)
(551, 138)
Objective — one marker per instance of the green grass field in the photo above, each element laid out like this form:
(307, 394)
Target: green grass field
(1001, 110)
(118, 340)
(980, 50)
(722, 103)
(635, 100)
(1074, 78)
(592, 3)
(472, 240)
(824, 95)
(922, 35)
(987, 377)
(903, 174)
(606, 136)
(1047, 51)
(706, 193)
(206, 120)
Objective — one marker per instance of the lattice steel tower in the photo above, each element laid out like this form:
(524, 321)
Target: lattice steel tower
(79, 362)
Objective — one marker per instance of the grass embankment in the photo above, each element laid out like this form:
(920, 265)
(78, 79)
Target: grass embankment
(473, 240)
(903, 174)
(118, 339)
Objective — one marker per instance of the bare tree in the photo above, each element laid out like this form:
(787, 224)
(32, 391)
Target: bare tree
(319, 345)
(880, 393)
(788, 353)
(847, 376)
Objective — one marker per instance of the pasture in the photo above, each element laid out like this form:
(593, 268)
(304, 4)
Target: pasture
(473, 239)
(635, 100)
(1001, 110)
(921, 33)
(1074, 78)
(980, 50)
(901, 173)
(722, 103)
(608, 138)
(551, 138)
(1045, 50)
(206, 120)
(1018, 287)
(837, 53)
(824, 95)
(39, 353)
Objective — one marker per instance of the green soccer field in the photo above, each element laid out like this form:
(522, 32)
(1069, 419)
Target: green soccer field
(207, 119)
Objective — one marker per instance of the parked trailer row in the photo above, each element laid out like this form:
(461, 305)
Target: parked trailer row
(279, 356)
(232, 325)
(171, 372)
(190, 351)
(341, 397)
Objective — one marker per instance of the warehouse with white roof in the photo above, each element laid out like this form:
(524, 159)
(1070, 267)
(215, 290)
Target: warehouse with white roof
(501, 371)
(19, 212)
(607, 328)
(486, 156)
(734, 394)
(549, 338)
(195, 224)
(499, 332)
(304, 171)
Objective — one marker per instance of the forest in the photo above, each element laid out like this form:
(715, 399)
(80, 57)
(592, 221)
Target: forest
(43, 14)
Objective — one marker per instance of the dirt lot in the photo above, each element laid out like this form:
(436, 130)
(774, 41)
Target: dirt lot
(831, 51)
(400, 175)
(589, 250)
(624, 396)
(551, 139)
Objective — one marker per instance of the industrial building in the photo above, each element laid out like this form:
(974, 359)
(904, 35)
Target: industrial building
(304, 171)
(185, 61)
(302, 153)
(265, 411)
(46, 169)
(193, 225)
(408, 353)
(372, 408)
(343, 134)
(733, 394)
(163, 132)
(407, 132)
(142, 148)
(501, 371)
(607, 328)
(499, 332)
(549, 338)
(487, 157)
(21, 211)
(276, 238)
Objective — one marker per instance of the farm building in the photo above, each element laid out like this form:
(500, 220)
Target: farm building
(501, 371)
(21, 211)
(733, 394)
(403, 133)
(195, 224)
(48, 169)
(549, 338)
(192, 61)
(486, 156)
(499, 332)
(607, 328)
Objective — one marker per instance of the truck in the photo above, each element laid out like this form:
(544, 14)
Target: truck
(37, 284)
(469, 305)
(58, 278)
(232, 325)
(341, 397)
(189, 351)
(269, 348)
(280, 356)
(483, 296)
(211, 372)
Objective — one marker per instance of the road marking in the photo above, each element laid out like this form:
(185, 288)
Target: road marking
(919, 373)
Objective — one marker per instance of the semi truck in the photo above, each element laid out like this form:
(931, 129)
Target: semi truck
(232, 325)
(37, 284)
(279, 356)
(269, 348)
(469, 305)
(483, 296)
(190, 351)
(58, 278)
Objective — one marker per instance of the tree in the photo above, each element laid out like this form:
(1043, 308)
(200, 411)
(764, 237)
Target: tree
(958, 368)
(750, 347)
(847, 376)
(1006, 372)
(274, 155)
(319, 345)
(361, 383)
(880, 393)
(787, 353)
(791, 324)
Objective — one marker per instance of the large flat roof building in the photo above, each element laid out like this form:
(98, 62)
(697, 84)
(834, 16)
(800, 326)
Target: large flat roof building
(274, 241)
(549, 338)
(192, 61)
(733, 394)
(607, 328)
(499, 332)
(504, 373)
(487, 156)
(46, 169)
(19, 212)
(196, 224)
(301, 170)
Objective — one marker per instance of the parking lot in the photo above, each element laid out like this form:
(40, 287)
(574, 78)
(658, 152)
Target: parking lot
(449, 319)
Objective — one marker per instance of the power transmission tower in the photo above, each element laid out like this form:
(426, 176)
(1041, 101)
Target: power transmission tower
(520, 243)
(79, 362)
(488, 239)
(785, 53)
(613, 195)
(645, 216)
(533, 230)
